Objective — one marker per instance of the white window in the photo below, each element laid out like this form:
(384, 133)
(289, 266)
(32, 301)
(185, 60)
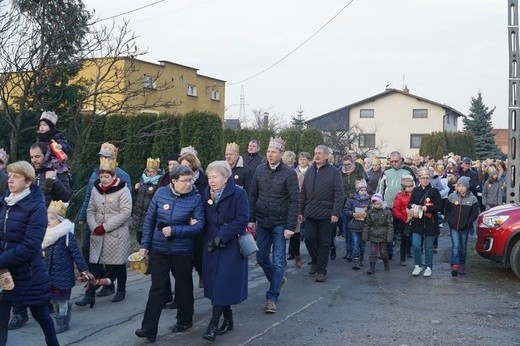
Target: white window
(192, 90)
(215, 95)
(420, 113)
(366, 113)
(149, 82)
(415, 140)
(367, 140)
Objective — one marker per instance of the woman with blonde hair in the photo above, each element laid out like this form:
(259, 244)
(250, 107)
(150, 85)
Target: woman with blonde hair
(23, 219)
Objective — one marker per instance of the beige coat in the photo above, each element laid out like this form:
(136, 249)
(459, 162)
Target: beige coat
(112, 209)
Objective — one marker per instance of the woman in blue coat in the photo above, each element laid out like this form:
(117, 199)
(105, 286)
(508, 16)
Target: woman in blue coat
(23, 222)
(225, 271)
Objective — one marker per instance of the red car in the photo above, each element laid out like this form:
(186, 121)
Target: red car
(498, 235)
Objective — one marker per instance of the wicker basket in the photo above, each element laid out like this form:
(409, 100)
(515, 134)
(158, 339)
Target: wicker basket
(138, 263)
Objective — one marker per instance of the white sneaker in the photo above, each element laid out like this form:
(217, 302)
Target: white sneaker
(427, 272)
(417, 270)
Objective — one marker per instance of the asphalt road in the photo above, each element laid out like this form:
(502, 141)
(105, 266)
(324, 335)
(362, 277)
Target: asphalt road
(349, 308)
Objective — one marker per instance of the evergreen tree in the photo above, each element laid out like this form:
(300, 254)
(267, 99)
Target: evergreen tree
(479, 122)
(298, 121)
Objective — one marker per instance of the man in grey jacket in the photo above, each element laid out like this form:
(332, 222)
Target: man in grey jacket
(321, 203)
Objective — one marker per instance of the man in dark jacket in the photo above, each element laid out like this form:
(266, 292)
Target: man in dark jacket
(321, 203)
(253, 158)
(273, 203)
(241, 173)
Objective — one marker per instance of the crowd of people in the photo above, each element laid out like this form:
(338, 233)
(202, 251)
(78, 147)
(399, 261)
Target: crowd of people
(185, 218)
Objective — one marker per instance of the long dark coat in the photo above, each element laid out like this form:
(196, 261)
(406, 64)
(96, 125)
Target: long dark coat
(225, 270)
(22, 228)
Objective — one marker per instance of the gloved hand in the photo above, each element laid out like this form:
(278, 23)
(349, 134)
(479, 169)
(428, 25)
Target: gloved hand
(216, 243)
(99, 230)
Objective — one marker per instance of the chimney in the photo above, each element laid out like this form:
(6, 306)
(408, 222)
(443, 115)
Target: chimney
(406, 90)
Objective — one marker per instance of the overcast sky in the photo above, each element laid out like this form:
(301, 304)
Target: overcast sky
(446, 50)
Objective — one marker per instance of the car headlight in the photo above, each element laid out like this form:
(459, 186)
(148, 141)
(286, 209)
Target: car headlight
(494, 221)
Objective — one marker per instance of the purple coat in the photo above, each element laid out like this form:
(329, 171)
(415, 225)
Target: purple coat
(225, 270)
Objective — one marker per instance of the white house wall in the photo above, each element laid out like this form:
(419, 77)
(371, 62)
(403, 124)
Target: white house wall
(393, 123)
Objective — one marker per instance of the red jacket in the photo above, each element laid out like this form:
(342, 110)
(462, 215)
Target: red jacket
(400, 204)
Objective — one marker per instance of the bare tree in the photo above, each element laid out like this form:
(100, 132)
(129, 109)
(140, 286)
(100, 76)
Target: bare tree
(343, 139)
(262, 119)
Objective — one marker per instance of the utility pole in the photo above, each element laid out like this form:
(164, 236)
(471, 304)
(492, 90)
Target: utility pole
(513, 158)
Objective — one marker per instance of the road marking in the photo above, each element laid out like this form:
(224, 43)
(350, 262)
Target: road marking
(306, 306)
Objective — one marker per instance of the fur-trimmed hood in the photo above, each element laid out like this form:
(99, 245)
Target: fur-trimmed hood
(54, 233)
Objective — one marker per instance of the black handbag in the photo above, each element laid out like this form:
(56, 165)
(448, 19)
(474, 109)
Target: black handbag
(407, 231)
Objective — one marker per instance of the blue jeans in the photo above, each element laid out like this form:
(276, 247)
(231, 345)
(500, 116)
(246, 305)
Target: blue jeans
(274, 268)
(348, 236)
(358, 249)
(428, 249)
(459, 248)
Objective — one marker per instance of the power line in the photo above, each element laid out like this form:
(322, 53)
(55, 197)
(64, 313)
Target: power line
(295, 49)
(127, 12)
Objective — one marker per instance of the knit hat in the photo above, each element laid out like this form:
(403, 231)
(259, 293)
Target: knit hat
(378, 197)
(50, 118)
(360, 184)
(464, 181)
(466, 160)
(172, 157)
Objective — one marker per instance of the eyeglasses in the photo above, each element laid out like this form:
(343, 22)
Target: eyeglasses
(185, 181)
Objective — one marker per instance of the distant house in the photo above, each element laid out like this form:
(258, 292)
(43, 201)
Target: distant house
(135, 86)
(501, 139)
(391, 120)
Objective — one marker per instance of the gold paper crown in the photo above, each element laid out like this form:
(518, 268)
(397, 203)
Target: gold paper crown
(278, 143)
(232, 147)
(58, 207)
(107, 165)
(153, 163)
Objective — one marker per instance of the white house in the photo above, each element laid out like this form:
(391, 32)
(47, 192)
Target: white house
(391, 120)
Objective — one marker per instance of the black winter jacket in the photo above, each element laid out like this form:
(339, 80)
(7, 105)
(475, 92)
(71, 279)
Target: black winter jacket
(321, 195)
(461, 211)
(431, 197)
(273, 196)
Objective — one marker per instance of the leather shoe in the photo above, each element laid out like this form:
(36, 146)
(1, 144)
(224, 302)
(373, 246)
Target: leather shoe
(181, 327)
(143, 333)
(118, 297)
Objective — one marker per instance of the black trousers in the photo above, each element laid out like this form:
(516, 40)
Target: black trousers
(160, 265)
(318, 234)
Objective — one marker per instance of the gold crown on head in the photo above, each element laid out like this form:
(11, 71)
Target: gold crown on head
(58, 208)
(278, 143)
(108, 150)
(232, 147)
(153, 163)
(107, 165)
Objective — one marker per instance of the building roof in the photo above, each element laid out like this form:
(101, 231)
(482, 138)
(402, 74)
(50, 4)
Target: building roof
(386, 93)
(232, 124)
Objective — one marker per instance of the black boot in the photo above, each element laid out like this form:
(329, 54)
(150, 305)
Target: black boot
(386, 264)
(333, 253)
(87, 299)
(227, 324)
(211, 332)
(372, 268)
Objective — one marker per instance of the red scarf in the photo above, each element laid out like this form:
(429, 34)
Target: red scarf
(114, 183)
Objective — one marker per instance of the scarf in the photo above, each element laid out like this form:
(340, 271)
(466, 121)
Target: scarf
(54, 233)
(12, 199)
(105, 188)
(47, 136)
(151, 180)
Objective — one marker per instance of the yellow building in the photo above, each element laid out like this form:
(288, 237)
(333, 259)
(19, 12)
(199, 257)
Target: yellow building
(132, 86)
